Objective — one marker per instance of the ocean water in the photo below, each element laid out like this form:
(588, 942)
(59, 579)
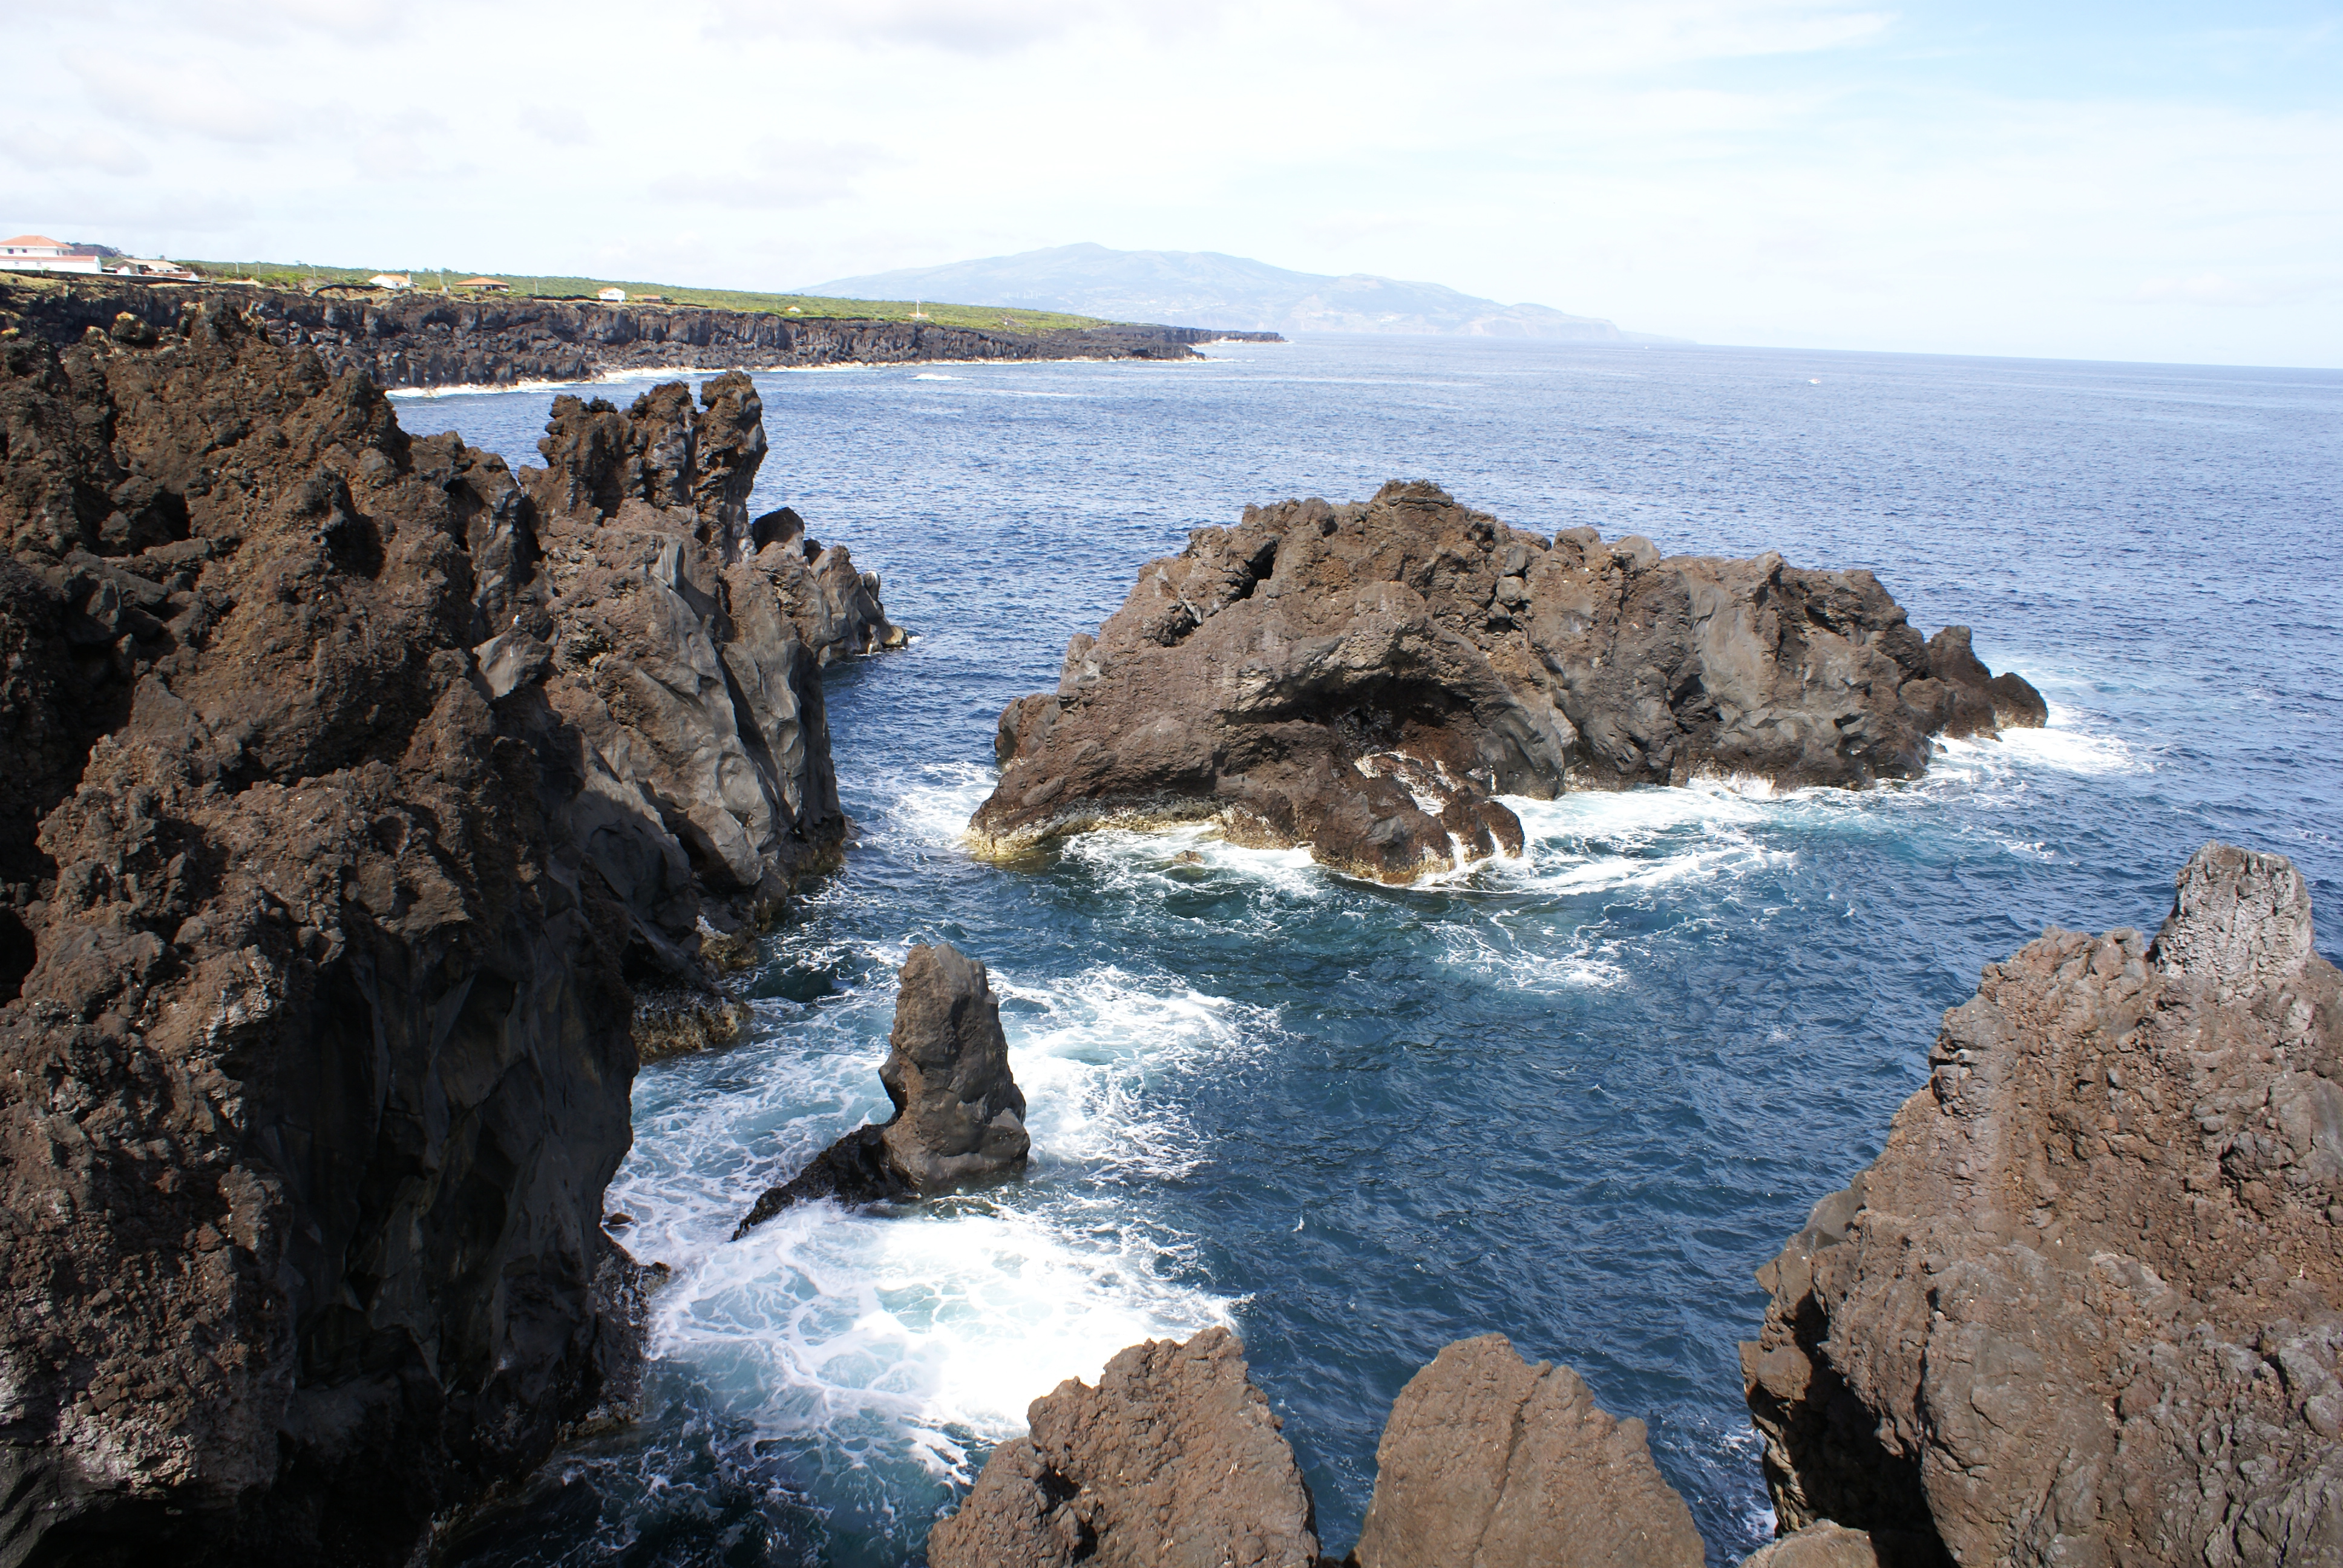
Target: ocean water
(1574, 1098)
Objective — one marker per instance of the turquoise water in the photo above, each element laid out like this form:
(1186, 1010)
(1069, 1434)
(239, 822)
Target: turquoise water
(1576, 1098)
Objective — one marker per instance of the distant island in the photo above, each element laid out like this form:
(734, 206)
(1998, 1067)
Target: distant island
(1206, 289)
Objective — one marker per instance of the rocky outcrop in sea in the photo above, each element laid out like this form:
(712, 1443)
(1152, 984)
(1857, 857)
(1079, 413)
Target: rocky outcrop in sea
(424, 339)
(351, 780)
(1174, 1460)
(2088, 1304)
(960, 1117)
(1367, 679)
(2085, 1307)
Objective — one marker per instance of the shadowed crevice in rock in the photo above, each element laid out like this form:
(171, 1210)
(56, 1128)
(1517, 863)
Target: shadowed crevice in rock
(960, 1117)
(1367, 679)
(2088, 1304)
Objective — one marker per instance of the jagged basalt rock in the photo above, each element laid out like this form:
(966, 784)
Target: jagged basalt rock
(1490, 1460)
(2088, 1304)
(313, 1058)
(1367, 679)
(1173, 1461)
(349, 777)
(960, 1117)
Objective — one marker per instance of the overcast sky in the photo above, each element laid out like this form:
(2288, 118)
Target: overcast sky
(2139, 181)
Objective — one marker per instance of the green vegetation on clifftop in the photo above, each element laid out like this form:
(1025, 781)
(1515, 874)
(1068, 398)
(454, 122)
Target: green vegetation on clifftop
(283, 275)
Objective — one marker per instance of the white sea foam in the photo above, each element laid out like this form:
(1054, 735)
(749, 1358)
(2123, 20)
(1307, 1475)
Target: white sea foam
(933, 376)
(897, 1336)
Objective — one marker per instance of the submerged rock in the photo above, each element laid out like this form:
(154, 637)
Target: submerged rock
(959, 1116)
(1364, 679)
(2088, 1304)
(314, 1056)
(1173, 1461)
(1489, 1460)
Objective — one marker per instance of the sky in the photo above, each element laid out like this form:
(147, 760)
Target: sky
(2145, 182)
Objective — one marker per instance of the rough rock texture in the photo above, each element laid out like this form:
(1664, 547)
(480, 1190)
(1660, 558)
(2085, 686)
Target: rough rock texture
(1363, 678)
(1828, 1546)
(683, 656)
(2086, 1308)
(1488, 1461)
(1173, 1461)
(423, 340)
(958, 1114)
(313, 1050)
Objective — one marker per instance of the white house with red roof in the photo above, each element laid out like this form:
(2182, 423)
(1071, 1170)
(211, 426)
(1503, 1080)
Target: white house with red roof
(39, 253)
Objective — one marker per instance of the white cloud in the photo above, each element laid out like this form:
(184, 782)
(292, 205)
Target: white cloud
(1734, 170)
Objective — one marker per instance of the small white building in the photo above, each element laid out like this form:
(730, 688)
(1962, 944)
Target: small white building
(39, 253)
(612, 296)
(137, 267)
(391, 280)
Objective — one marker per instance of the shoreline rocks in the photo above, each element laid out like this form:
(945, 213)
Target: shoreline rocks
(314, 1056)
(960, 1117)
(419, 339)
(1174, 1460)
(1491, 1460)
(1367, 679)
(352, 780)
(2088, 1303)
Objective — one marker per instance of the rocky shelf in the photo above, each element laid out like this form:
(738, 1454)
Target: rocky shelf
(414, 339)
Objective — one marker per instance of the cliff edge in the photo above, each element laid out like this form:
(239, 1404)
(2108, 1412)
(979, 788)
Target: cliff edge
(351, 780)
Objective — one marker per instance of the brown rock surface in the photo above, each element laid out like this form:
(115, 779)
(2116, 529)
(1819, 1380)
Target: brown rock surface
(348, 775)
(313, 1056)
(1828, 1546)
(959, 1116)
(1364, 679)
(1173, 1461)
(1488, 1461)
(2086, 1307)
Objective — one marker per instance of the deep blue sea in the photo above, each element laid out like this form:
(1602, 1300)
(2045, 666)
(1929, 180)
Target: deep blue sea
(1574, 1098)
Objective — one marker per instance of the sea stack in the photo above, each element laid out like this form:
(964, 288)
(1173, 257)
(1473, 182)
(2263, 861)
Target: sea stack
(1367, 679)
(2088, 1304)
(959, 1116)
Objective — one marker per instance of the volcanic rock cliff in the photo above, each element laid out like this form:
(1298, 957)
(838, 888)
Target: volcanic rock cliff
(423, 340)
(347, 780)
(2088, 1304)
(1363, 678)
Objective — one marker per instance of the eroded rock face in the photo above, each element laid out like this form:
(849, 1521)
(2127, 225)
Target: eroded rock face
(1489, 1460)
(1364, 679)
(2088, 1305)
(680, 656)
(1173, 1461)
(959, 1116)
(314, 1058)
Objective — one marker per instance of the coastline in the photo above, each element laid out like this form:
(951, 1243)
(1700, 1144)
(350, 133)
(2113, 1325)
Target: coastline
(414, 342)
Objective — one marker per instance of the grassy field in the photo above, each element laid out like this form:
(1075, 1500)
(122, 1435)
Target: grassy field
(281, 274)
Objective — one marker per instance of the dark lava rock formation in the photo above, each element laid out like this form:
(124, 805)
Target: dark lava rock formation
(959, 1116)
(1173, 1461)
(2088, 1305)
(348, 779)
(1363, 678)
(1489, 1460)
(423, 340)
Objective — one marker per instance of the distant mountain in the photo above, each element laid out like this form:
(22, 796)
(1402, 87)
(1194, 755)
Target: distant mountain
(1205, 288)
